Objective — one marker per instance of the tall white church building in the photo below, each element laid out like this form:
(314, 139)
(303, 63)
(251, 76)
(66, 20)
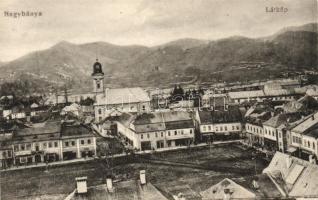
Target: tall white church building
(135, 100)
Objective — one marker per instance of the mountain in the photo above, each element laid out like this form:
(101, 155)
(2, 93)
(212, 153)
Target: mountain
(310, 27)
(185, 43)
(67, 63)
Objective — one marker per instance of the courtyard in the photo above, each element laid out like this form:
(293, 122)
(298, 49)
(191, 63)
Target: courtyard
(188, 171)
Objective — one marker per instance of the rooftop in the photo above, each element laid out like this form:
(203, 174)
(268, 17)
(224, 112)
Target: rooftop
(126, 190)
(307, 123)
(298, 179)
(233, 114)
(122, 96)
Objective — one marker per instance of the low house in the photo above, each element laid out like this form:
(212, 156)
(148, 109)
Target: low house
(219, 124)
(73, 109)
(157, 130)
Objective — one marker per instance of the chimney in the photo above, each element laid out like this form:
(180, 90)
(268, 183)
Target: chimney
(227, 194)
(81, 185)
(109, 184)
(255, 183)
(312, 160)
(143, 177)
(289, 161)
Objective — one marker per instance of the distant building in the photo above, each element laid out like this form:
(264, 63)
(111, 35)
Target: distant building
(273, 93)
(219, 124)
(157, 130)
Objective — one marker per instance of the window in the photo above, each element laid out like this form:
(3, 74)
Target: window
(66, 144)
(216, 128)
(225, 128)
(44, 145)
(209, 127)
(88, 141)
(161, 134)
(98, 85)
(175, 132)
(82, 142)
(308, 144)
(221, 128)
(16, 147)
(141, 136)
(156, 134)
(190, 131)
(204, 128)
(56, 144)
(100, 111)
(148, 136)
(237, 127)
(143, 107)
(73, 143)
(9, 154)
(233, 127)
(313, 146)
(168, 133)
(28, 146)
(22, 147)
(50, 144)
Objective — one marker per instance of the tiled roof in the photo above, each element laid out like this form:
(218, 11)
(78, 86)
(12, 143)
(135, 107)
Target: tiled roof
(77, 130)
(246, 94)
(143, 128)
(307, 123)
(122, 96)
(43, 128)
(280, 119)
(303, 184)
(179, 124)
(158, 121)
(312, 131)
(235, 190)
(233, 114)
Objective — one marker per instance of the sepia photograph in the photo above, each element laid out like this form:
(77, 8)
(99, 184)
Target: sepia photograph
(158, 99)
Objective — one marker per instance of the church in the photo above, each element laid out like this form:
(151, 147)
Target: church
(107, 100)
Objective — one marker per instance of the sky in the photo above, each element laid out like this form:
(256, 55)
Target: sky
(143, 22)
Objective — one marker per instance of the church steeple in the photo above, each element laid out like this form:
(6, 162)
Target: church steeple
(98, 77)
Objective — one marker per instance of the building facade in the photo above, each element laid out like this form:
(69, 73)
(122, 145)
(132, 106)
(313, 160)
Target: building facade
(150, 131)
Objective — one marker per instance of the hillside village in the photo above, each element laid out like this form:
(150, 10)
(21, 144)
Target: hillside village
(273, 122)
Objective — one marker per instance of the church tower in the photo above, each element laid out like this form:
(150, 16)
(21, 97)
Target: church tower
(98, 78)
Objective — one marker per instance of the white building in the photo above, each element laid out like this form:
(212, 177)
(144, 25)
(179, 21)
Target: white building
(157, 130)
(304, 137)
(219, 124)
